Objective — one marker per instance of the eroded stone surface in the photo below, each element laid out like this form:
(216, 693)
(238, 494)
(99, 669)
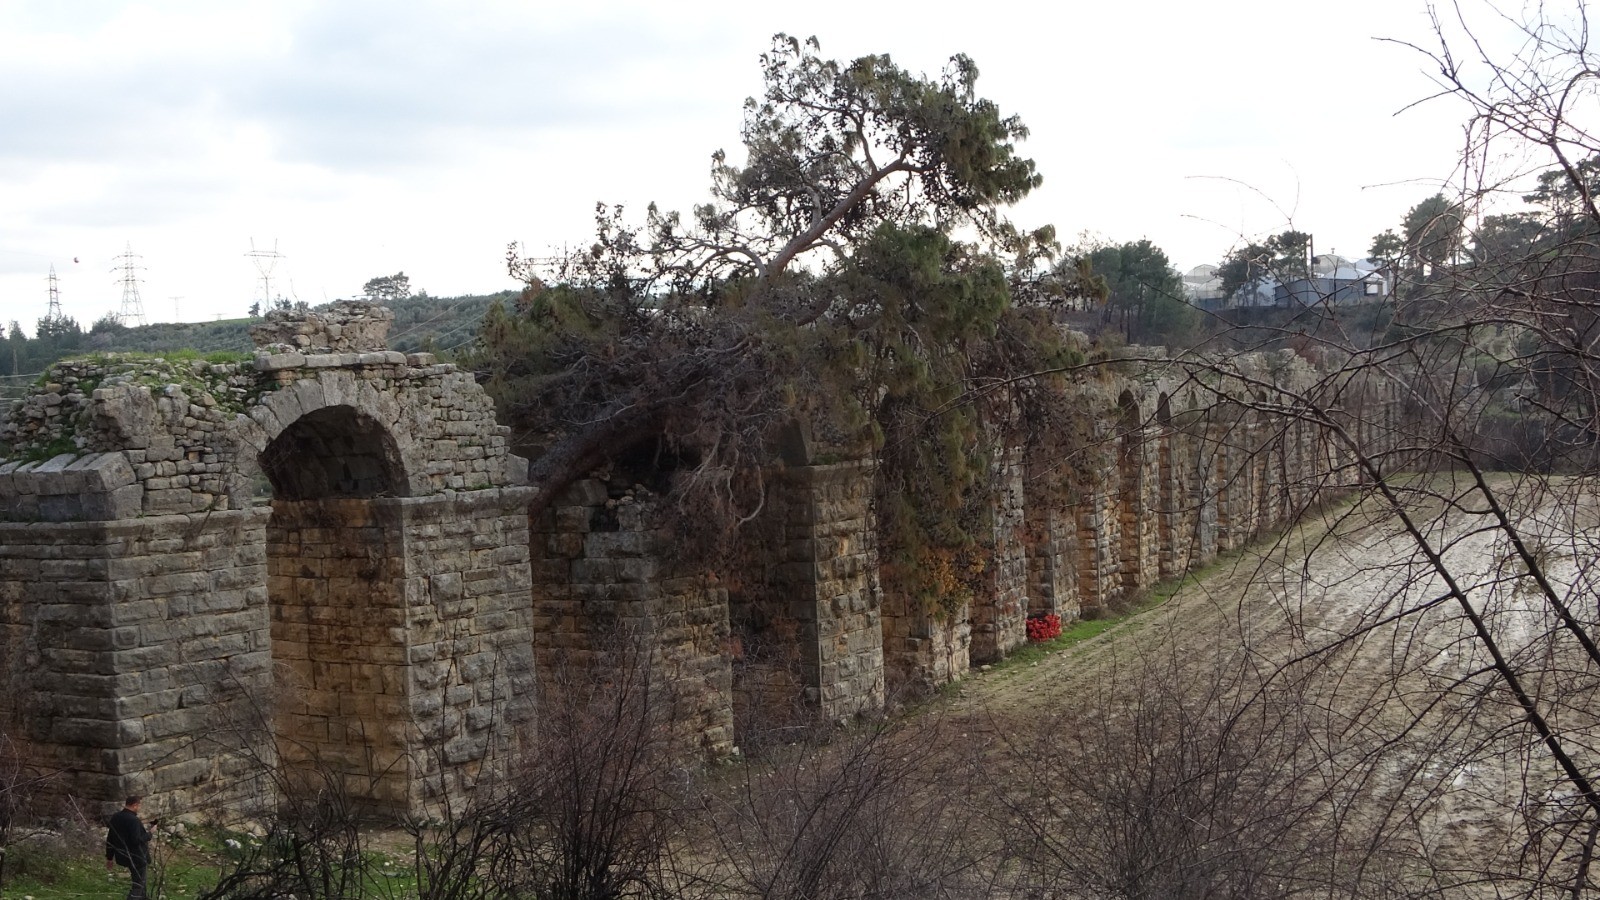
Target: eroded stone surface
(165, 633)
(388, 616)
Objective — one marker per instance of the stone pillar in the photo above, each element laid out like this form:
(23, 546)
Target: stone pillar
(1202, 494)
(468, 671)
(137, 655)
(809, 630)
(1052, 560)
(1000, 606)
(1138, 474)
(609, 593)
(1174, 512)
(1099, 547)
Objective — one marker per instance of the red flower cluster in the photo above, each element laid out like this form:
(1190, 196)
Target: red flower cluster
(1043, 628)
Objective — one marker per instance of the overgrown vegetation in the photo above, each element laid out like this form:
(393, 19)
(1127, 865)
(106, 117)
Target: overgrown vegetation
(850, 290)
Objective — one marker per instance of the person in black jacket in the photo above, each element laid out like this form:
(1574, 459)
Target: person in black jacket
(128, 845)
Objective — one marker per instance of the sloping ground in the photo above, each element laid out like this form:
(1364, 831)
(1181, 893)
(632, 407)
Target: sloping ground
(1316, 717)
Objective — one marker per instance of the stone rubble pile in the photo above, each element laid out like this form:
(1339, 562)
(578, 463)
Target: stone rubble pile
(349, 326)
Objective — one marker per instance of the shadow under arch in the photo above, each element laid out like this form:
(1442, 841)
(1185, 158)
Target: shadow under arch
(334, 452)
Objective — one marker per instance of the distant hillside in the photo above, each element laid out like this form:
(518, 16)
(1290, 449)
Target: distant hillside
(437, 324)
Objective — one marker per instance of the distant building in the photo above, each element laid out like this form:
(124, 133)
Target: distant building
(1202, 287)
(1338, 282)
(1334, 280)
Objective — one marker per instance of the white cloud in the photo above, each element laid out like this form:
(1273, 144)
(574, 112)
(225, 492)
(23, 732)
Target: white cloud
(369, 137)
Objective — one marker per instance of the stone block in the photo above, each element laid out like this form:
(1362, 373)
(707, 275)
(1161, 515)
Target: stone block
(20, 481)
(125, 502)
(274, 362)
(59, 508)
(87, 732)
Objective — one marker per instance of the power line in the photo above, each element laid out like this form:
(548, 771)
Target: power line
(54, 313)
(132, 306)
(265, 261)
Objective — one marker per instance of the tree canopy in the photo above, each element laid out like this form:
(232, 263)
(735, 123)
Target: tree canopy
(1280, 258)
(1144, 294)
(387, 288)
(701, 334)
(832, 150)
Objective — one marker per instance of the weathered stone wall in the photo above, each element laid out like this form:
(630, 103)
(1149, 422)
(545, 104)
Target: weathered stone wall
(137, 653)
(1173, 472)
(608, 597)
(165, 635)
(384, 625)
(806, 614)
(154, 437)
(923, 648)
(354, 326)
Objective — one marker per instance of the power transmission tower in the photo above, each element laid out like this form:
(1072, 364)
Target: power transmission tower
(265, 261)
(54, 313)
(132, 307)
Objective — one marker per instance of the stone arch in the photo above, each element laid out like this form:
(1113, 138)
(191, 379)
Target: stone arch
(336, 565)
(334, 408)
(374, 620)
(334, 452)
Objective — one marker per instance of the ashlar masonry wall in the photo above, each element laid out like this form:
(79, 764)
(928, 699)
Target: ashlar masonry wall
(165, 634)
(1175, 470)
(610, 602)
(374, 627)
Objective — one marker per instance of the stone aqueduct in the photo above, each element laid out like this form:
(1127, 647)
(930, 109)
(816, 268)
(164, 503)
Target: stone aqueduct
(385, 620)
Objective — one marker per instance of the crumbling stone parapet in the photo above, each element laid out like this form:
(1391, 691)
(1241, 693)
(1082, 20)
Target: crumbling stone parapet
(345, 327)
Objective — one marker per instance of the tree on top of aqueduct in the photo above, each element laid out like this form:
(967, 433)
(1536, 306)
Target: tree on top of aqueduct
(848, 281)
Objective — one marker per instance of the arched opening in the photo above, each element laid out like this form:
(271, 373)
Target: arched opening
(336, 589)
(335, 452)
(1132, 507)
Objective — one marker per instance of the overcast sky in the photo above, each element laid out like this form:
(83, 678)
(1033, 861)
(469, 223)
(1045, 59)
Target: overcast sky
(363, 138)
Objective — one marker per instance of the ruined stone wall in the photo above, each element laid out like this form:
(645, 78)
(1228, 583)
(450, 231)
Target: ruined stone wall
(137, 653)
(806, 613)
(923, 649)
(165, 634)
(608, 600)
(384, 626)
(191, 434)
(1171, 475)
